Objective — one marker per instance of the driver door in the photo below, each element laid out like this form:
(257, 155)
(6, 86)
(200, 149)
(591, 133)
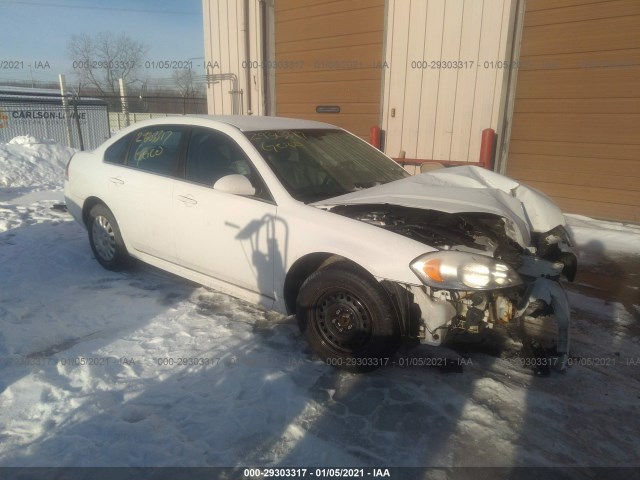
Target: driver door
(227, 237)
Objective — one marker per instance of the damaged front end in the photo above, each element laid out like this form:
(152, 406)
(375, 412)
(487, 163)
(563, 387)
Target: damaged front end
(480, 277)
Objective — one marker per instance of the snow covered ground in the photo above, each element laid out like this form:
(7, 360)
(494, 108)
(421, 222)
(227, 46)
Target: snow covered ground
(145, 369)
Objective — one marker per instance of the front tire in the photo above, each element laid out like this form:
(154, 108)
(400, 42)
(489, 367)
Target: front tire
(347, 318)
(105, 239)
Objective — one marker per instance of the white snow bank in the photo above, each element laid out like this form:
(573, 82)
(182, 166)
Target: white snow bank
(595, 237)
(27, 161)
(30, 140)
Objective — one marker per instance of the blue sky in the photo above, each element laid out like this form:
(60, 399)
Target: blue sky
(34, 31)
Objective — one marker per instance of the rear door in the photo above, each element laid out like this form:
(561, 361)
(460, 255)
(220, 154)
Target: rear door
(141, 190)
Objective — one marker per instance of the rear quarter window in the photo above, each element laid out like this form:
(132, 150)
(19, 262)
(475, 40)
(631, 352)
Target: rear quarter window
(117, 153)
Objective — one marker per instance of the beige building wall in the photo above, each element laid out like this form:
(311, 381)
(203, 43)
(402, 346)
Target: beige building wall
(447, 76)
(225, 55)
(427, 110)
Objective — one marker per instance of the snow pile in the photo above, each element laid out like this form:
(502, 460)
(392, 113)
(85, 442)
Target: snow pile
(27, 161)
(597, 237)
(30, 140)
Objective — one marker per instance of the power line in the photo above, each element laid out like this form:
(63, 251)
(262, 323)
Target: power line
(114, 9)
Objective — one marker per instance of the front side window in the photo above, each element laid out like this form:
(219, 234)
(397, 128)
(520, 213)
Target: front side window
(314, 165)
(212, 155)
(156, 149)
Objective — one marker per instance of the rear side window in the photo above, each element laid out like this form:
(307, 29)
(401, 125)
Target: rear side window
(156, 149)
(117, 153)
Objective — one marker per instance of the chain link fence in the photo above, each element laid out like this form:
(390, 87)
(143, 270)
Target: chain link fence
(81, 122)
(146, 107)
(76, 122)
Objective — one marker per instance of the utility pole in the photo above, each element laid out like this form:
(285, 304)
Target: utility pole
(65, 106)
(123, 100)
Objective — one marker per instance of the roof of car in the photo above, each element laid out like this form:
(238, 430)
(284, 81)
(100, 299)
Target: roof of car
(250, 123)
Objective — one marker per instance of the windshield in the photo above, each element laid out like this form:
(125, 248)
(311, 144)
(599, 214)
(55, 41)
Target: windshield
(314, 165)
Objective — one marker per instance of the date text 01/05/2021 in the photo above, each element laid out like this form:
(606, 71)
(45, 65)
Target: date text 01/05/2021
(316, 472)
(398, 361)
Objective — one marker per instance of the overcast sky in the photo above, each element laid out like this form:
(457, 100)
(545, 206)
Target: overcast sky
(34, 32)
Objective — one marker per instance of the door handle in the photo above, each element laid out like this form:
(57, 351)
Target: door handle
(116, 181)
(187, 200)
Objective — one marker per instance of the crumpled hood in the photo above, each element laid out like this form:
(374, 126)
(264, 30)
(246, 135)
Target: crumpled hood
(466, 189)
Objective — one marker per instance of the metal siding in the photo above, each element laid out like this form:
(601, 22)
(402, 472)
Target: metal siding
(327, 53)
(577, 109)
(429, 91)
(395, 77)
(466, 82)
(448, 82)
(440, 112)
(224, 44)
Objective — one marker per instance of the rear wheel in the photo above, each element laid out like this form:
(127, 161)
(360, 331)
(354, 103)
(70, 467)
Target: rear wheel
(105, 239)
(348, 319)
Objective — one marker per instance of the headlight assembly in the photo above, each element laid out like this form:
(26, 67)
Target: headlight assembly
(463, 271)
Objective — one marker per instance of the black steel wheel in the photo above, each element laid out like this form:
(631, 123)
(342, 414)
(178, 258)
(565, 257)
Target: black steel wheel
(347, 318)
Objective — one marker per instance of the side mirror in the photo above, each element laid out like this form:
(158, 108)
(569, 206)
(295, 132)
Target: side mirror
(235, 184)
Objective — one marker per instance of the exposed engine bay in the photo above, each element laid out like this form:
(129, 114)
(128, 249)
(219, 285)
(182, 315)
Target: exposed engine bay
(472, 232)
(442, 311)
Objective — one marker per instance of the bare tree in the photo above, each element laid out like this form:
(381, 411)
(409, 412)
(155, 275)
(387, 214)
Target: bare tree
(100, 60)
(184, 81)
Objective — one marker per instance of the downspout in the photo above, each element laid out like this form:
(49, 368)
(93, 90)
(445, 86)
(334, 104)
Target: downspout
(263, 47)
(377, 135)
(504, 127)
(247, 53)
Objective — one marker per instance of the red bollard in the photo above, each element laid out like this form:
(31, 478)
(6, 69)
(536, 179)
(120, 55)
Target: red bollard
(374, 136)
(487, 148)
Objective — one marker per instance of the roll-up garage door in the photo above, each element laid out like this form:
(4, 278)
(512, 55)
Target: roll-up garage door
(576, 123)
(328, 57)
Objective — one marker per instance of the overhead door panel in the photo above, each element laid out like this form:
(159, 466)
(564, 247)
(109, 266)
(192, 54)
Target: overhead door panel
(330, 53)
(576, 123)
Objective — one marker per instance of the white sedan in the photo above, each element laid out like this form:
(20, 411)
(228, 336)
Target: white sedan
(307, 219)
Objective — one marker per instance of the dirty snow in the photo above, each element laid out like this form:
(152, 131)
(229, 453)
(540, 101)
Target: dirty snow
(145, 369)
